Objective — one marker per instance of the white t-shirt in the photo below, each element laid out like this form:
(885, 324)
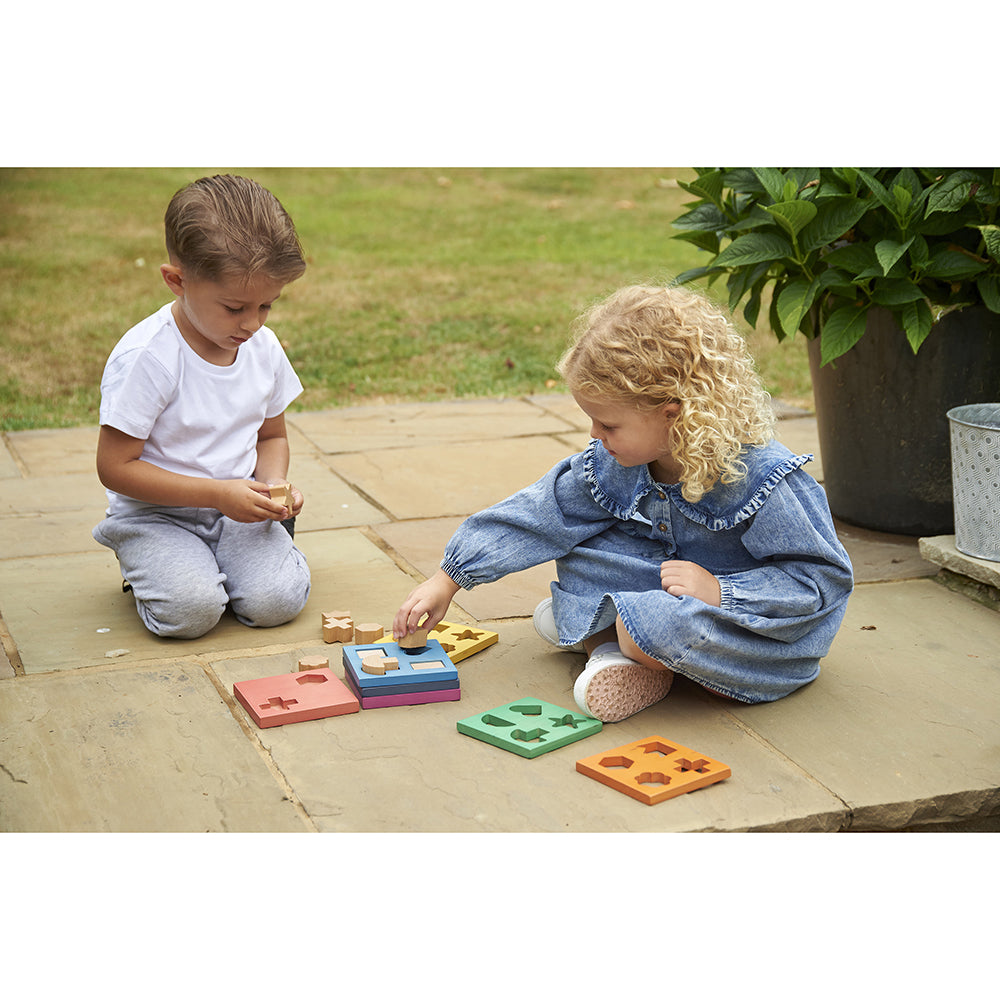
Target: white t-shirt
(196, 418)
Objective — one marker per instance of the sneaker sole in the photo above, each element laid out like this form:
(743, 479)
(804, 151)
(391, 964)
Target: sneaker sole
(618, 691)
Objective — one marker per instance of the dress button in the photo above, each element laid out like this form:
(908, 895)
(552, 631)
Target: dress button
(662, 526)
(662, 496)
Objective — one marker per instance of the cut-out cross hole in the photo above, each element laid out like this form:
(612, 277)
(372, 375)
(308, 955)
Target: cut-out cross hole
(279, 703)
(701, 766)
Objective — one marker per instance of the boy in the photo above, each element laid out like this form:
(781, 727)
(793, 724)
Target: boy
(193, 427)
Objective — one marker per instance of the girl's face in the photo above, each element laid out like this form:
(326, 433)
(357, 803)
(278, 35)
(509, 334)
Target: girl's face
(634, 437)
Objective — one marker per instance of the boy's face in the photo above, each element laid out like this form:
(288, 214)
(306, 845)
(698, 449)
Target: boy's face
(216, 317)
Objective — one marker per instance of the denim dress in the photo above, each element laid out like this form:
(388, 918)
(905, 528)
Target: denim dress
(769, 539)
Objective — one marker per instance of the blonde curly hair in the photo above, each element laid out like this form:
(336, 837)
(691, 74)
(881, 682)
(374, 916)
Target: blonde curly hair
(646, 347)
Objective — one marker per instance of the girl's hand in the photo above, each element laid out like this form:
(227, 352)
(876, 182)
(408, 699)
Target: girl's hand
(688, 579)
(426, 605)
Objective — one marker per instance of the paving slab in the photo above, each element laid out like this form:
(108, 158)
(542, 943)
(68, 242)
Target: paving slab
(940, 550)
(49, 533)
(132, 750)
(433, 481)
(877, 556)
(903, 723)
(9, 469)
(68, 611)
(329, 502)
(409, 769)
(439, 424)
(799, 434)
(56, 452)
(422, 544)
(47, 494)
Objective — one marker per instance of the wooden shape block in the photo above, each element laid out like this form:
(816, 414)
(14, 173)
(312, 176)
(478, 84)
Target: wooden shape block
(282, 493)
(378, 663)
(418, 640)
(529, 727)
(383, 700)
(460, 641)
(298, 697)
(653, 769)
(424, 671)
(313, 663)
(337, 626)
(369, 632)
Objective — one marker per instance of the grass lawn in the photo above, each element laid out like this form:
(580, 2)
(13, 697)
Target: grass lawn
(422, 283)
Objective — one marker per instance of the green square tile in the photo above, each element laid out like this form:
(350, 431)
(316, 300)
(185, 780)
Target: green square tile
(529, 727)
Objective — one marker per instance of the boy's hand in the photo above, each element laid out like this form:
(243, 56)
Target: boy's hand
(246, 501)
(297, 499)
(426, 605)
(688, 579)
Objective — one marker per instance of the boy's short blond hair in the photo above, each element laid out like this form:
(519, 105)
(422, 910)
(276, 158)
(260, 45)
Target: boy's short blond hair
(647, 346)
(227, 226)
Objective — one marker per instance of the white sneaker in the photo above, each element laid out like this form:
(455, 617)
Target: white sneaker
(545, 626)
(612, 687)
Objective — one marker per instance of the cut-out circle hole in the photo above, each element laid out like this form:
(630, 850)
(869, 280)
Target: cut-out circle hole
(311, 679)
(528, 736)
(616, 762)
(526, 709)
(653, 778)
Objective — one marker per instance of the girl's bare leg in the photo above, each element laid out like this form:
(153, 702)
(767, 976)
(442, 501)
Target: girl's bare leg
(616, 633)
(605, 635)
(627, 645)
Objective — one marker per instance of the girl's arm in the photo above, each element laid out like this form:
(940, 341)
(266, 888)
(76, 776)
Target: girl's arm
(120, 468)
(541, 522)
(426, 605)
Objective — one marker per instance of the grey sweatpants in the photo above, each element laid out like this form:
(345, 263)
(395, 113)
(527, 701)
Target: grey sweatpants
(185, 564)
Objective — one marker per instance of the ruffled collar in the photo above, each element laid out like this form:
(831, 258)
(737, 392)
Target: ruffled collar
(620, 491)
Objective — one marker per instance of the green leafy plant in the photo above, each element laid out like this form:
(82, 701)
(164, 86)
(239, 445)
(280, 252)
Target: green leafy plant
(835, 242)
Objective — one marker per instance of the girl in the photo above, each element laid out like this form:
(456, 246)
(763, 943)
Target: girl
(686, 540)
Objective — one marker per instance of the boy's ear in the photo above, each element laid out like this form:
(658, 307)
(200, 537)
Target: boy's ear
(174, 278)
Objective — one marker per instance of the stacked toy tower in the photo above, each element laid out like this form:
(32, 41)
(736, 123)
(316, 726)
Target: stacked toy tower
(414, 671)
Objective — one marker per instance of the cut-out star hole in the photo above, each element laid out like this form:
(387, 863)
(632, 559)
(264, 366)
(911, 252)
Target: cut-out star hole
(567, 720)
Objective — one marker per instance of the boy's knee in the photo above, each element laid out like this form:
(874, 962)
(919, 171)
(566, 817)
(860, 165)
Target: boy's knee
(274, 603)
(188, 616)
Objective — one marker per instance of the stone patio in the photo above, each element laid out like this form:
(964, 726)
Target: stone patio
(104, 727)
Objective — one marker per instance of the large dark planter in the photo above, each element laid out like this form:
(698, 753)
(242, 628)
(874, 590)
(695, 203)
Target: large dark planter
(880, 412)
